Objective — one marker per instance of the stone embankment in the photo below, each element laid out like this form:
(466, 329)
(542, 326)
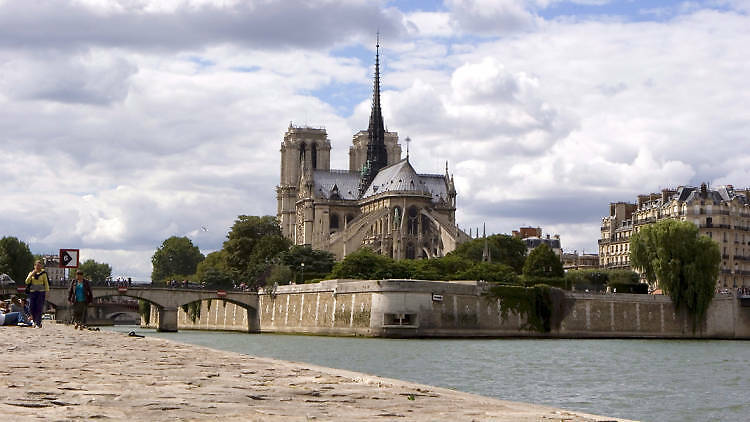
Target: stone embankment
(57, 373)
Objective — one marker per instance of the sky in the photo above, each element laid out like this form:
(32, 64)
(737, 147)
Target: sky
(125, 122)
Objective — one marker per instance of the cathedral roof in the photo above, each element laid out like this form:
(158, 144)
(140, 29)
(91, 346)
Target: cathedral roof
(336, 184)
(402, 177)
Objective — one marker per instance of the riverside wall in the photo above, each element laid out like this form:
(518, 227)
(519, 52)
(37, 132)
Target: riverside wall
(405, 308)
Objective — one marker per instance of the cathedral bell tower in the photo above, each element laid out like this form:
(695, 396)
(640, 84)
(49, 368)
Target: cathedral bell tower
(302, 147)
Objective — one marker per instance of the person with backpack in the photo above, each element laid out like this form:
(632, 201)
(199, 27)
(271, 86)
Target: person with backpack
(37, 286)
(80, 296)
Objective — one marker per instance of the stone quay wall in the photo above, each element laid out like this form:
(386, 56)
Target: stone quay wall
(405, 308)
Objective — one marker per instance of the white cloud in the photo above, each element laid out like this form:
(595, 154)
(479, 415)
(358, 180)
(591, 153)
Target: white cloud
(113, 139)
(430, 24)
(491, 16)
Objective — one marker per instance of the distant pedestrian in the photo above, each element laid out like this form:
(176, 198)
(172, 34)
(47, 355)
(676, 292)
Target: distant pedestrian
(80, 296)
(37, 286)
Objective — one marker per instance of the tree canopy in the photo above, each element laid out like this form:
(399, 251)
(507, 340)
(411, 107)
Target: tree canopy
(95, 271)
(317, 263)
(16, 259)
(543, 262)
(685, 265)
(251, 246)
(177, 256)
(503, 249)
(365, 264)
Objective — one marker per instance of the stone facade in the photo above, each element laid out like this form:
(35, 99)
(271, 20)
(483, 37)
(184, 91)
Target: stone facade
(380, 201)
(401, 308)
(722, 214)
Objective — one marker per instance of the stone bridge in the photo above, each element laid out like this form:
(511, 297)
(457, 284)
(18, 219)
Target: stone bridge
(167, 301)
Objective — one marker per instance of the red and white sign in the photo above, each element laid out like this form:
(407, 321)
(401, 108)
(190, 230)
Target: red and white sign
(21, 289)
(69, 258)
(221, 293)
(122, 289)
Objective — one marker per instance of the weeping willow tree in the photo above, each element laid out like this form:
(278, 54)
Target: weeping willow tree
(684, 264)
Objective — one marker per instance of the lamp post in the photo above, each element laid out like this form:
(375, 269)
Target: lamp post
(303, 272)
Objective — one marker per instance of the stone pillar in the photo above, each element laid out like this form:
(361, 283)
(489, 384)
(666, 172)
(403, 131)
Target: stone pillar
(167, 319)
(253, 320)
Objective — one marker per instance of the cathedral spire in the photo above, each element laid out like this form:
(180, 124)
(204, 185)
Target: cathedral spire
(377, 156)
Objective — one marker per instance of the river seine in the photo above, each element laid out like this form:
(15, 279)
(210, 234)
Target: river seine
(649, 380)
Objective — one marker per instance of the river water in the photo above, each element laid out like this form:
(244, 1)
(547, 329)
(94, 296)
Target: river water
(648, 380)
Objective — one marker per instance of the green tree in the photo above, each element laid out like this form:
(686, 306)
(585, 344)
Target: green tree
(543, 262)
(317, 263)
(365, 264)
(592, 279)
(503, 249)
(16, 259)
(685, 265)
(490, 272)
(216, 278)
(96, 272)
(215, 264)
(280, 274)
(177, 256)
(251, 246)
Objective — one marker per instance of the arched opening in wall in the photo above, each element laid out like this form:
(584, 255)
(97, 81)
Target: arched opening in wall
(397, 214)
(333, 222)
(412, 223)
(349, 218)
(302, 151)
(314, 155)
(410, 252)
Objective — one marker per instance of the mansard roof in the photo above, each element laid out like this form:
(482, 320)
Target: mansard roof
(402, 177)
(718, 195)
(328, 183)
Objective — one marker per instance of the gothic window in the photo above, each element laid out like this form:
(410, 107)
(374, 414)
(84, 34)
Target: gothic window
(302, 149)
(410, 254)
(349, 217)
(334, 222)
(314, 155)
(412, 223)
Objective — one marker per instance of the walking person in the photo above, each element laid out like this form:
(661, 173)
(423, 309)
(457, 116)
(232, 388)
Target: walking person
(80, 296)
(37, 286)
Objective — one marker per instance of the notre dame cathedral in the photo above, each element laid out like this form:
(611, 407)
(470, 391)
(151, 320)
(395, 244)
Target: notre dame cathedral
(380, 202)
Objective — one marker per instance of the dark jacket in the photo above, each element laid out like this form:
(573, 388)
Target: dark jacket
(86, 291)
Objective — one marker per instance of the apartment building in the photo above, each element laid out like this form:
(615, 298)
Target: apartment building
(722, 214)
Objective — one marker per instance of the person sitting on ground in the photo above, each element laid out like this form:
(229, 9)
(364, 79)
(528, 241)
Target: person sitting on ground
(13, 318)
(16, 305)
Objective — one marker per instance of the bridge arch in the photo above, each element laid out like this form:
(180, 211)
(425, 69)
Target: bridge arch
(167, 301)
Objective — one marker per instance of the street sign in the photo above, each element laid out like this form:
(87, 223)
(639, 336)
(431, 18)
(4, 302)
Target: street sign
(69, 258)
(221, 293)
(21, 289)
(122, 289)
